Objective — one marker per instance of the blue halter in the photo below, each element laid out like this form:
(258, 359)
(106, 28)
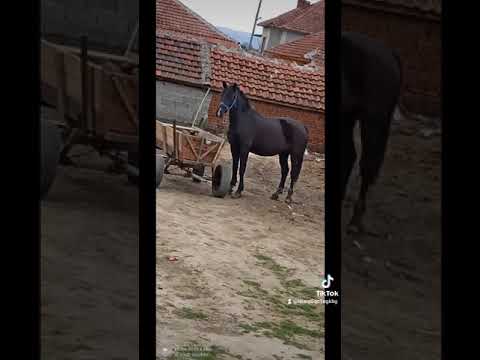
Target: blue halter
(233, 103)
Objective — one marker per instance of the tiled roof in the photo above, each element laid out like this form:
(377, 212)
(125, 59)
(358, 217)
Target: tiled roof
(174, 17)
(296, 50)
(269, 79)
(181, 59)
(426, 7)
(307, 19)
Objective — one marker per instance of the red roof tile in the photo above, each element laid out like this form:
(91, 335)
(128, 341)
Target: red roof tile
(174, 17)
(296, 50)
(422, 7)
(181, 59)
(306, 19)
(269, 79)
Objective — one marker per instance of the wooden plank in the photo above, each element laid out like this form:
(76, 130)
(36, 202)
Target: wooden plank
(217, 155)
(125, 101)
(175, 147)
(84, 83)
(121, 138)
(92, 53)
(212, 148)
(189, 142)
(200, 148)
(61, 94)
(92, 112)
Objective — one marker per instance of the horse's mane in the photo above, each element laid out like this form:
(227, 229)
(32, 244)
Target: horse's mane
(245, 104)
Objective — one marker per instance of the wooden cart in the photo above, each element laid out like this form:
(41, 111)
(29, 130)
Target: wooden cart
(192, 150)
(93, 96)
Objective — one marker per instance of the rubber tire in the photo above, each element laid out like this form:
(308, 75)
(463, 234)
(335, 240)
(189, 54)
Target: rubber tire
(200, 171)
(159, 168)
(50, 148)
(222, 175)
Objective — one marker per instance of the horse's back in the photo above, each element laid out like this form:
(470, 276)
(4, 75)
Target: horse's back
(372, 73)
(278, 135)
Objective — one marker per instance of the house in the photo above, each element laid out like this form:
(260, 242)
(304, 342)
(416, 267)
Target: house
(305, 19)
(299, 50)
(174, 17)
(191, 65)
(413, 29)
(182, 41)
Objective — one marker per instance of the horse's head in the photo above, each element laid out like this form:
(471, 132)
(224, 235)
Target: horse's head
(229, 98)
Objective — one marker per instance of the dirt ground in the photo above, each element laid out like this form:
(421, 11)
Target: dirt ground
(391, 278)
(227, 267)
(89, 231)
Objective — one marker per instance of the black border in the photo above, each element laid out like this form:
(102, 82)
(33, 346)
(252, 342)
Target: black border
(445, 248)
(147, 198)
(333, 245)
(34, 263)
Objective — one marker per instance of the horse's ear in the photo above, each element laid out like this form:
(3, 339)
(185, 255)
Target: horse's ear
(225, 85)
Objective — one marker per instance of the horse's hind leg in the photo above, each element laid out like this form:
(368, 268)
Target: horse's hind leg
(297, 161)
(284, 167)
(374, 136)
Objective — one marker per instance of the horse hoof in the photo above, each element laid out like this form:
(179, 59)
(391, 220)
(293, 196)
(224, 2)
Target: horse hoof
(274, 196)
(288, 200)
(236, 195)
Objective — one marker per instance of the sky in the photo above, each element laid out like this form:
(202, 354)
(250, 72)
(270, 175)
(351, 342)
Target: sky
(239, 14)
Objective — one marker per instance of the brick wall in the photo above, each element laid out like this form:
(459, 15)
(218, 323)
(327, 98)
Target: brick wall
(180, 103)
(315, 121)
(418, 42)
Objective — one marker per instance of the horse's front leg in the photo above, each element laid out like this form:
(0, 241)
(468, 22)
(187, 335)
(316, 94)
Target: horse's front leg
(235, 159)
(243, 167)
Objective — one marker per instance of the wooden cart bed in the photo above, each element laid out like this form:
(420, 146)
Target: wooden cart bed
(192, 146)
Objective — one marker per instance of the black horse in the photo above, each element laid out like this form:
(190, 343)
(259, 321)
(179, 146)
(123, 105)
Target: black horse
(248, 131)
(371, 79)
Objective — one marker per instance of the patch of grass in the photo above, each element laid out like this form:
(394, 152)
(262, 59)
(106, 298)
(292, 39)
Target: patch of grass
(254, 290)
(297, 288)
(246, 328)
(286, 330)
(267, 262)
(278, 300)
(189, 313)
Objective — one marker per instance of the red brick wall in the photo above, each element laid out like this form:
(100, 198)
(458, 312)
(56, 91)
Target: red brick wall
(418, 42)
(315, 121)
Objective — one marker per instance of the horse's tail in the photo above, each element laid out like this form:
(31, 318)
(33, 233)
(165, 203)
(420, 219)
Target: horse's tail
(287, 130)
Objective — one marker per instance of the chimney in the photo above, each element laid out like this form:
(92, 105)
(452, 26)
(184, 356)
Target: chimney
(302, 3)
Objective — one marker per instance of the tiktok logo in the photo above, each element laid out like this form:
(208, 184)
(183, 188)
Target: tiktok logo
(327, 282)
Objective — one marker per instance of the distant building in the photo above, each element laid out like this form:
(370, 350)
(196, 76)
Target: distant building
(413, 29)
(300, 50)
(305, 19)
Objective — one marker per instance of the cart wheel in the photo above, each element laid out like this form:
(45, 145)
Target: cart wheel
(160, 166)
(50, 145)
(198, 170)
(222, 175)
